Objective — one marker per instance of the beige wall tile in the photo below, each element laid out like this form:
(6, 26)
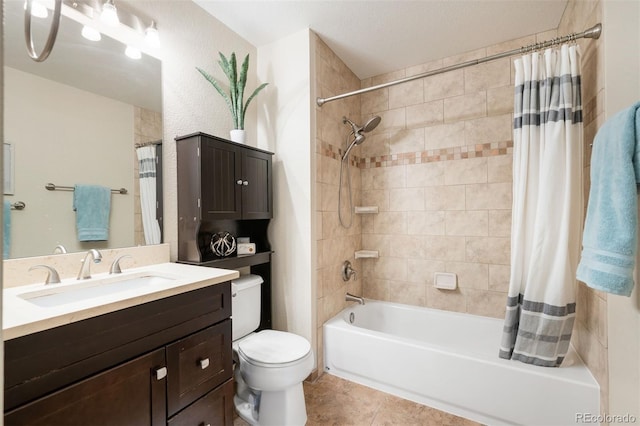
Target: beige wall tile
(510, 45)
(379, 242)
(407, 293)
(389, 268)
(488, 250)
(444, 248)
(500, 168)
(375, 101)
(448, 300)
(392, 119)
(376, 197)
(500, 100)
(444, 85)
(425, 174)
(470, 275)
(444, 136)
(500, 223)
(404, 140)
(410, 93)
(425, 114)
(407, 246)
(422, 68)
(467, 223)
(499, 278)
(486, 303)
(376, 289)
(376, 144)
(467, 171)
(390, 223)
(465, 107)
(488, 129)
(464, 57)
(384, 178)
(450, 197)
(421, 271)
(328, 197)
(486, 196)
(426, 223)
(406, 199)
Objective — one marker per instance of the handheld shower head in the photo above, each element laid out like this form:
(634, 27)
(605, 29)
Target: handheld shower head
(357, 131)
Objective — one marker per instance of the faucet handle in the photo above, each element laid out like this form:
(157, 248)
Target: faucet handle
(52, 275)
(115, 266)
(348, 271)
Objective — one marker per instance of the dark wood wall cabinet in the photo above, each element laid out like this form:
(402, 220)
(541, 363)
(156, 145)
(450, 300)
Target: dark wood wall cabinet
(163, 362)
(224, 186)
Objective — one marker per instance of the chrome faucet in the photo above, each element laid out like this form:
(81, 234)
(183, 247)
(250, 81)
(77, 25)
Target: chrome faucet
(85, 271)
(348, 271)
(115, 266)
(351, 298)
(59, 249)
(52, 275)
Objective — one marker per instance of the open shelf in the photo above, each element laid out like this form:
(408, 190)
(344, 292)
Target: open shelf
(366, 209)
(366, 254)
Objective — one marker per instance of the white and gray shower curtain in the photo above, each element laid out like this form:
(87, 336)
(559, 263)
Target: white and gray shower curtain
(147, 175)
(547, 207)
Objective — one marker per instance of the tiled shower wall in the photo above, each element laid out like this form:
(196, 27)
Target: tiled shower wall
(335, 244)
(590, 330)
(147, 127)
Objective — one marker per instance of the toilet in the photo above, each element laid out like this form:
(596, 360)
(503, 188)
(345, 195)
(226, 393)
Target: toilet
(270, 364)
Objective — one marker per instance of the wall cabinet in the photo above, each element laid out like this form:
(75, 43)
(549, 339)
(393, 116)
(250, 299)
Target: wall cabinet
(163, 362)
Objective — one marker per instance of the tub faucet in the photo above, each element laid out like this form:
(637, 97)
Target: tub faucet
(85, 271)
(351, 298)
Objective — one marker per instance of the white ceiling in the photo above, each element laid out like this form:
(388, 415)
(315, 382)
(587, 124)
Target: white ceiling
(374, 37)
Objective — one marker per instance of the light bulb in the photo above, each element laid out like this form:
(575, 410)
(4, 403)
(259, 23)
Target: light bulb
(91, 33)
(132, 52)
(109, 13)
(38, 10)
(152, 37)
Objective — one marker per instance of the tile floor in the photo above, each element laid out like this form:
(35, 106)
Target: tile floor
(334, 401)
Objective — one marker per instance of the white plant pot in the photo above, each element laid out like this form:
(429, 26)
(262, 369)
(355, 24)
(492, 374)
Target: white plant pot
(238, 135)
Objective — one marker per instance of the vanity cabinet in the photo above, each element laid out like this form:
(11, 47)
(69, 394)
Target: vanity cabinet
(162, 362)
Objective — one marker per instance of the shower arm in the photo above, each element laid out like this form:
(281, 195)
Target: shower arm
(593, 32)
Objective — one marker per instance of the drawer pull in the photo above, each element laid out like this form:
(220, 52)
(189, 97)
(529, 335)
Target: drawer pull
(161, 373)
(204, 363)
(239, 181)
(245, 183)
(204, 424)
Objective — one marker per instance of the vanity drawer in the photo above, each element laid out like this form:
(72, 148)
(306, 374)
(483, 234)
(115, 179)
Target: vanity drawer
(215, 408)
(197, 364)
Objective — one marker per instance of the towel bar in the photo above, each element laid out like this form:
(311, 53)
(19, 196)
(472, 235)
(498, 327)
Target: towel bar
(53, 187)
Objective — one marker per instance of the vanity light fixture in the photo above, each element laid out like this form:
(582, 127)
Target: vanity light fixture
(38, 10)
(133, 52)
(109, 13)
(91, 33)
(151, 35)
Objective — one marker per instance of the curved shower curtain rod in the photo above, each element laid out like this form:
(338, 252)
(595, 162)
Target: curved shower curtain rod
(593, 32)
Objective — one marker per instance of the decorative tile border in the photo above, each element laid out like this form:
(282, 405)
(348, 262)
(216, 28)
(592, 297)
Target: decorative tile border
(429, 156)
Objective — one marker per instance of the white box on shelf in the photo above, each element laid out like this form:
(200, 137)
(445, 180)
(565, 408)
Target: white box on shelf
(246, 248)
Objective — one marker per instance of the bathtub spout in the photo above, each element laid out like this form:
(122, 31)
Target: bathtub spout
(351, 298)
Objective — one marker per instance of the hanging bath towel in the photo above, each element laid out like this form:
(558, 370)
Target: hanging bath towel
(6, 229)
(92, 204)
(611, 227)
(547, 207)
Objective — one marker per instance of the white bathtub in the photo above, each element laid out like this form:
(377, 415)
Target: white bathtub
(450, 361)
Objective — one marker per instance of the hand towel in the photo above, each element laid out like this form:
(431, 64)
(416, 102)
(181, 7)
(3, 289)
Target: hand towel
(92, 204)
(610, 231)
(6, 230)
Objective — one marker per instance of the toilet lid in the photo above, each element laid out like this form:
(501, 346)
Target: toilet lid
(274, 347)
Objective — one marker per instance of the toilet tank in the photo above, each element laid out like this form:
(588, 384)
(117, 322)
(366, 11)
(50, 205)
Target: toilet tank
(245, 305)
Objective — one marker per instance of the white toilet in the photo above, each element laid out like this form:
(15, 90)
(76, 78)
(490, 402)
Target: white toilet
(270, 365)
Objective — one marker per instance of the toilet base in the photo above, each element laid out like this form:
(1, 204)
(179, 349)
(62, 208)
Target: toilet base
(277, 408)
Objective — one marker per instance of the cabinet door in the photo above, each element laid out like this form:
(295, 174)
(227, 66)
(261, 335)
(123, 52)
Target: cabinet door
(215, 408)
(257, 197)
(197, 364)
(129, 394)
(220, 173)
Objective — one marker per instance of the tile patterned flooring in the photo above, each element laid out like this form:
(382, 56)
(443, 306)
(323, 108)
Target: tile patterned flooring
(334, 401)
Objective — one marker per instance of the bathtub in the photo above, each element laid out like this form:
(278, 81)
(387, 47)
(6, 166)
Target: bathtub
(449, 361)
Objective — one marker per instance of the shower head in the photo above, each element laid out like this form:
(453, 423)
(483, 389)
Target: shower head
(357, 131)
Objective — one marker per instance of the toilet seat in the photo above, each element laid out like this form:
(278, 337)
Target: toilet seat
(271, 348)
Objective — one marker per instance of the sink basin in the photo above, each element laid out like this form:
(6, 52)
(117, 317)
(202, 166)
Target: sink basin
(63, 294)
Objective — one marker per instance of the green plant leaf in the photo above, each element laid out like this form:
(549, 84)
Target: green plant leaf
(229, 68)
(217, 86)
(253, 95)
(242, 82)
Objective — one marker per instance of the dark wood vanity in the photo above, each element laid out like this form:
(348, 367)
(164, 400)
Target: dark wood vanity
(225, 186)
(163, 362)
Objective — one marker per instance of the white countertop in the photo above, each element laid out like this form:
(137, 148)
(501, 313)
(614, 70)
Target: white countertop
(22, 317)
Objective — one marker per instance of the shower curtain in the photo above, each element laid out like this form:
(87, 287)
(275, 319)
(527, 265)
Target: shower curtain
(547, 207)
(147, 174)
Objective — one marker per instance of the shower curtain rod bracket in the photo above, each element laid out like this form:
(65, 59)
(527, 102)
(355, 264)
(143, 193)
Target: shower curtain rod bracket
(593, 32)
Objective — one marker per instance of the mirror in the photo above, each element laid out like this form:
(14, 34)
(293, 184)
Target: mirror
(74, 119)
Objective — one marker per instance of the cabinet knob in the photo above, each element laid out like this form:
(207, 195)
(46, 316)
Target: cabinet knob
(239, 181)
(161, 373)
(245, 183)
(204, 424)
(204, 363)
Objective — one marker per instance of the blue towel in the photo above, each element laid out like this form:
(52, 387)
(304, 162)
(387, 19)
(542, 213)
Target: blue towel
(6, 230)
(92, 204)
(610, 231)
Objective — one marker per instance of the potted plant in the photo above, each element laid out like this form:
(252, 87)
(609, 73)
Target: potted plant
(235, 97)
